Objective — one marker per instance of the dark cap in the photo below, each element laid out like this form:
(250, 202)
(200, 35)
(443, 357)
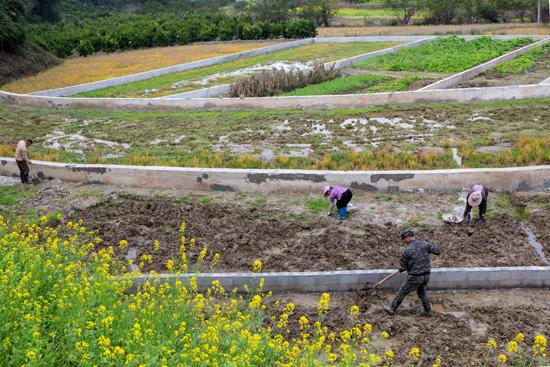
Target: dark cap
(407, 233)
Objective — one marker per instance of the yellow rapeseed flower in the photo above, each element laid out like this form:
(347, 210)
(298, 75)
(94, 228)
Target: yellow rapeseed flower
(354, 312)
(384, 335)
(257, 266)
(437, 362)
(512, 346)
(414, 354)
(492, 343)
(303, 321)
(322, 308)
(123, 244)
(539, 347)
(519, 337)
(502, 358)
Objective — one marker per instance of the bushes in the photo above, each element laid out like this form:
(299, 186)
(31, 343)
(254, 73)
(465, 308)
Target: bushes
(12, 32)
(126, 31)
(277, 81)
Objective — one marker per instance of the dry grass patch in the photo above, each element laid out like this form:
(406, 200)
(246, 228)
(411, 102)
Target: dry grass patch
(434, 29)
(104, 66)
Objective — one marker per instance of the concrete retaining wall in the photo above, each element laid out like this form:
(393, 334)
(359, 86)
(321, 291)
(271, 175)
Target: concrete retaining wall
(473, 72)
(461, 95)
(337, 281)
(81, 88)
(221, 90)
(546, 81)
(265, 181)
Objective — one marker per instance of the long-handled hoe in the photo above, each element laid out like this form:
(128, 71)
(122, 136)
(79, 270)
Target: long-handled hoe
(370, 288)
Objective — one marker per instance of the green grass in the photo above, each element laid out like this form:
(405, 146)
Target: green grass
(257, 129)
(339, 86)
(395, 85)
(324, 52)
(452, 54)
(317, 205)
(12, 196)
(525, 62)
(205, 200)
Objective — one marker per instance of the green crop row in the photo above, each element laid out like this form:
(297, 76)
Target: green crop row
(319, 52)
(339, 86)
(451, 54)
(525, 62)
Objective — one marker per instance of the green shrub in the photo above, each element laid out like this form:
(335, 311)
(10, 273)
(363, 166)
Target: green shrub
(131, 31)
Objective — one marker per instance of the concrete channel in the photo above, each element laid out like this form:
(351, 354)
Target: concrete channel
(341, 281)
(533, 178)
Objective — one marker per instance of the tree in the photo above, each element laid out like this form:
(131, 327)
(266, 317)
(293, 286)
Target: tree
(319, 11)
(442, 11)
(275, 11)
(46, 10)
(12, 31)
(403, 9)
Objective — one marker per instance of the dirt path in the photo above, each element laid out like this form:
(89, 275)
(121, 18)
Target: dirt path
(458, 331)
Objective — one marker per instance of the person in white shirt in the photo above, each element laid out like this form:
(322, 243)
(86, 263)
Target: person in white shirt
(22, 159)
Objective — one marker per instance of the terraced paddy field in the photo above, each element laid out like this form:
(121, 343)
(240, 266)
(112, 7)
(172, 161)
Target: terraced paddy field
(531, 68)
(496, 134)
(297, 58)
(104, 66)
(457, 333)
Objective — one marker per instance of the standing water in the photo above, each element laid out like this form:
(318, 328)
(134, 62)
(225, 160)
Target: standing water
(535, 244)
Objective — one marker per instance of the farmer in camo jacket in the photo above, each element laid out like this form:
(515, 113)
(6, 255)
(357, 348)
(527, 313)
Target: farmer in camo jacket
(477, 196)
(415, 260)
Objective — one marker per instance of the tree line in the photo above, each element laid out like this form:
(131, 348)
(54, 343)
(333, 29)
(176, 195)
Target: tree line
(464, 11)
(108, 30)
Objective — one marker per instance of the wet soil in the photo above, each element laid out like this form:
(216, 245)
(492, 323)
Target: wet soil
(291, 243)
(458, 330)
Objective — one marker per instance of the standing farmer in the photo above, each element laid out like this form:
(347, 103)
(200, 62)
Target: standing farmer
(477, 196)
(22, 159)
(415, 260)
(340, 196)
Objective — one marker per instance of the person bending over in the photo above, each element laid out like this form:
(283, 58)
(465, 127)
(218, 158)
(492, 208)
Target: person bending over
(340, 196)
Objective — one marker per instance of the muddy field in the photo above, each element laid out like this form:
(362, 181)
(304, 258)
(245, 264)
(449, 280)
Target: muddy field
(290, 243)
(458, 331)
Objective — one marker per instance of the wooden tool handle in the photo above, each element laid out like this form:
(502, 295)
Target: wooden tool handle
(386, 278)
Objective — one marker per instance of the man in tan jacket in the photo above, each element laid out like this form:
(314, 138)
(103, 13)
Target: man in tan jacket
(22, 159)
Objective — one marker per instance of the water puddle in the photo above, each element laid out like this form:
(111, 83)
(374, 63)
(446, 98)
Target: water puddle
(131, 255)
(532, 239)
(456, 157)
(279, 65)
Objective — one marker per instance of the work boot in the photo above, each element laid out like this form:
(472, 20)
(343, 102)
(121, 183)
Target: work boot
(389, 310)
(468, 218)
(482, 219)
(426, 313)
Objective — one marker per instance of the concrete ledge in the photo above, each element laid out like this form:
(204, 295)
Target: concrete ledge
(460, 95)
(545, 81)
(476, 70)
(223, 89)
(266, 181)
(101, 84)
(337, 281)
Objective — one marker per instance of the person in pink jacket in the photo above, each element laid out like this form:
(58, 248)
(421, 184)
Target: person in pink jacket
(339, 196)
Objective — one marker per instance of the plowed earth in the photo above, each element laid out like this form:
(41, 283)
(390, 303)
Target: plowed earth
(242, 235)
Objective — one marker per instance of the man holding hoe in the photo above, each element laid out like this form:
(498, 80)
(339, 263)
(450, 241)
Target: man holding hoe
(415, 260)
